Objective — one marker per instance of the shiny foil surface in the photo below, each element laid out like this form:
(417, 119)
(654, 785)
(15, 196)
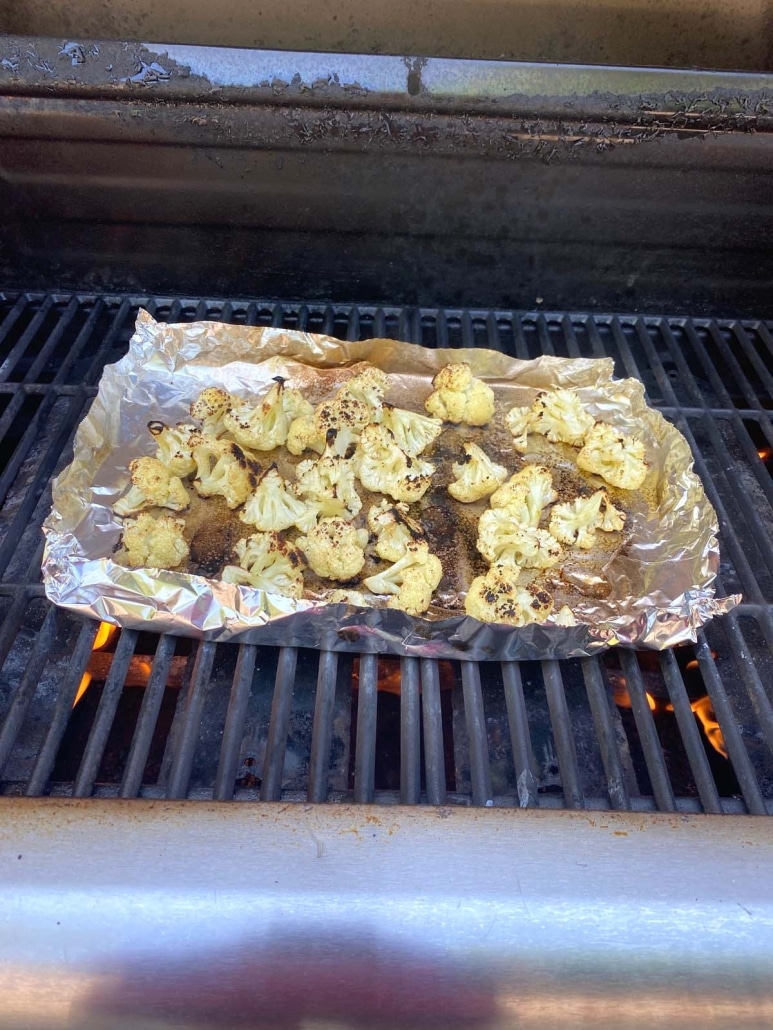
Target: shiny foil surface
(660, 588)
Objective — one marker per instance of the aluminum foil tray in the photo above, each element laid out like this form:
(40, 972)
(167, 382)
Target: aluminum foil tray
(658, 585)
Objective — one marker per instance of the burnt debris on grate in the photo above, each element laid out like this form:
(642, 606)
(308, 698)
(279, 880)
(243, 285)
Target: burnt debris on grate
(86, 711)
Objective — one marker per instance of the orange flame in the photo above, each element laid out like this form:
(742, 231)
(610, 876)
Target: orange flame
(704, 709)
(765, 453)
(105, 634)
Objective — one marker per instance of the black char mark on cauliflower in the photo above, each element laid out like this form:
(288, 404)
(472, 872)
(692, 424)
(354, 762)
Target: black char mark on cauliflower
(496, 597)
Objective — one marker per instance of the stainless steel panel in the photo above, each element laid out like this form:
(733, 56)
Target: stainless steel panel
(145, 914)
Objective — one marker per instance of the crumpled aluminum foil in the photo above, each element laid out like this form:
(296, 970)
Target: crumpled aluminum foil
(661, 589)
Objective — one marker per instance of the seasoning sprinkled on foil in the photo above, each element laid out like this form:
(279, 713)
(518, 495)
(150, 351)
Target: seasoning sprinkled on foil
(654, 591)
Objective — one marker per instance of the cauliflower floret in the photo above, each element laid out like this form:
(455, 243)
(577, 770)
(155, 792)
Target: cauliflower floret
(224, 469)
(519, 422)
(271, 506)
(560, 416)
(369, 386)
(329, 484)
(477, 476)
(334, 548)
(209, 408)
(411, 581)
(346, 416)
(413, 432)
(267, 562)
(459, 397)
(525, 495)
(502, 540)
(576, 522)
(153, 486)
(383, 468)
(348, 597)
(393, 528)
(564, 617)
(265, 427)
(155, 543)
(174, 447)
(616, 457)
(496, 597)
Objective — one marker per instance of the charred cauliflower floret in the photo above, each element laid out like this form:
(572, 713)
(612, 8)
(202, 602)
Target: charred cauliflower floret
(615, 456)
(334, 548)
(560, 416)
(153, 486)
(575, 522)
(346, 416)
(459, 397)
(174, 446)
(496, 597)
(411, 581)
(224, 470)
(154, 543)
(476, 476)
(526, 495)
(368, 386)
(271, 506)
(393, 528)
(265, 427)
(412, 431)
(502, 540)
(267, 562)
(209, 408)
(329, 484)
(519, 422)
(383, 468)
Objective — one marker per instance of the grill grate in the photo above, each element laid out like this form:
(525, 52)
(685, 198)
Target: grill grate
(688, 730)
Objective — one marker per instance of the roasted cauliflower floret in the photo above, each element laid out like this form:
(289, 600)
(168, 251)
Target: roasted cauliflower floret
(154, 543)
(496, 597)
(411, 581)
(272, 506)
(393, 528)
(615, 456)
(153, 486)
(502, 540)
(526, 495)
(224, 470)
(383, 468)
(265, 427)
(334, 548)
(369, 386)
(329, 484)
(412, 431)
(345, 416)
(575, 522)
(174, 446)
(476, 476)
(459, 397)
(209, 408)
(564, 617)
(267, 562)
(519, 422)
(560, 416)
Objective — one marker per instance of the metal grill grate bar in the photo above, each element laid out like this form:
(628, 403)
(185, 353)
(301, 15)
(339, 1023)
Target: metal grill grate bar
(279, 725)
(526, 777)
(322, 734)
(236, 716)
(100, 731)
(153, 695)
(432, 719)
(365, 753)
(605, 731)
(477, 737)
(648, 735)
(561, 722)
(410, 732)
(184, 746)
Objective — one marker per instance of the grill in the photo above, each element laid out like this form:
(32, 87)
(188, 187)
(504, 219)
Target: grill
(170, 718)
(555, 844)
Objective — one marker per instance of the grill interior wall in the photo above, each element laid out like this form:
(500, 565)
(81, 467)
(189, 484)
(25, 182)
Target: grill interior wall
(171, 718)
